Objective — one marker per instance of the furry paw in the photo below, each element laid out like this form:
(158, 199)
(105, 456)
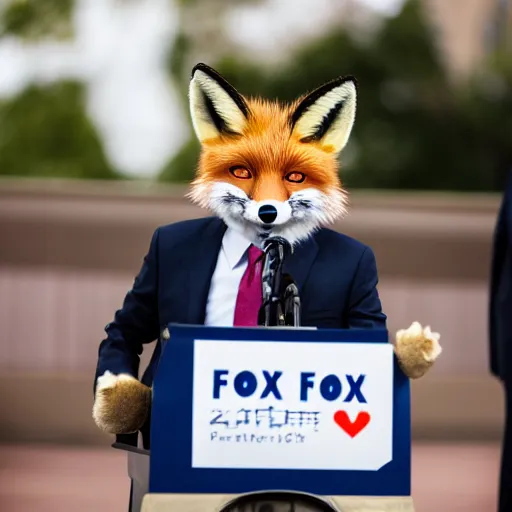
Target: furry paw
(416, 349)
(121, 404)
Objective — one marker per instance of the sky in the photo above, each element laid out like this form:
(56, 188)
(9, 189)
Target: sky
(385, 7)
(272, 28)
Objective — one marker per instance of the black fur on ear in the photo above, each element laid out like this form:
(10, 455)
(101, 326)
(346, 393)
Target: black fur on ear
(318, 113)
(216, 106)
(233, 93)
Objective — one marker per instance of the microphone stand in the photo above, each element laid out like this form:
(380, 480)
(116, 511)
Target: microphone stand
(281, 301)
(291, 299)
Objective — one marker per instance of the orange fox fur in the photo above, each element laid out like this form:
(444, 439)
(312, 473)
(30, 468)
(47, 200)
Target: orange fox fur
(267, 146)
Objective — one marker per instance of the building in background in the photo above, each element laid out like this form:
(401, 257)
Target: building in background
(469, 30)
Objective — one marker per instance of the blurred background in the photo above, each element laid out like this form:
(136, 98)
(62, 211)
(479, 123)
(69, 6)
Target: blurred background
(96, 149)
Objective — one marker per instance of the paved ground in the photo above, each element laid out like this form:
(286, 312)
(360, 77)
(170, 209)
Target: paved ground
(446, 478)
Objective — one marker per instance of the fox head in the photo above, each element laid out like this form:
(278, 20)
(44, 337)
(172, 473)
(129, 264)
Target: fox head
(269, 169)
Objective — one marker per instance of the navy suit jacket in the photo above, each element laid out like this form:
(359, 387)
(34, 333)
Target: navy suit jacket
(500, 314)
(336, 276)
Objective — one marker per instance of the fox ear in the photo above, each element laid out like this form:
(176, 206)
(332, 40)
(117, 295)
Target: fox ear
(327, 114)
(215, 106)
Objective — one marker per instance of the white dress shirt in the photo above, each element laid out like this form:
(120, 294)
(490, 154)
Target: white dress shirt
(231, 265)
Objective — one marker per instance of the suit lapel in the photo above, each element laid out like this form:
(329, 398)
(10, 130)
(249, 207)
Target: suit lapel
(298, 264)
(201, 262)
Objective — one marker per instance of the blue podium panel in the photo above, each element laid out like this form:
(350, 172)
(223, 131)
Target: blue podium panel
(238, 410)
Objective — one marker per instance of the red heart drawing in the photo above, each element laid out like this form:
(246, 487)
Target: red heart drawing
(352, 428)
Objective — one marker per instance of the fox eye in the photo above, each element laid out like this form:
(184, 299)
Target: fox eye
(295, 177)
(241, 173)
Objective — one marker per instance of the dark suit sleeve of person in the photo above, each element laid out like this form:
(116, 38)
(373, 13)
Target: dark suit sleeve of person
(500, 244)
(365, 308)
(135, 324)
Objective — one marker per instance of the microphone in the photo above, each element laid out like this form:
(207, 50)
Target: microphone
(276, 248)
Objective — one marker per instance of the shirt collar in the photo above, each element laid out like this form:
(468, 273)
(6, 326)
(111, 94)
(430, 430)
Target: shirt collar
(234, 245)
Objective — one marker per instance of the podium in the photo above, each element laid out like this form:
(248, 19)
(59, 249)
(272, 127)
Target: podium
(306, 420)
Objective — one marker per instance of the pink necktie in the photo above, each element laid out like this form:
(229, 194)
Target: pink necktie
(249, 297)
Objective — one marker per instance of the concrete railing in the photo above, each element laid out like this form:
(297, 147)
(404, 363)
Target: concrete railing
(70, 250)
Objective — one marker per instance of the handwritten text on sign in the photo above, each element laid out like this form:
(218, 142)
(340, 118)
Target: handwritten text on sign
(292, 405)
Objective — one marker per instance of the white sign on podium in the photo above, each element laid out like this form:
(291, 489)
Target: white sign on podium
(286, 405)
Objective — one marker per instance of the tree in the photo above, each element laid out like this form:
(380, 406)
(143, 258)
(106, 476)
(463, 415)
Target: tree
(45, 132)
(36, 19)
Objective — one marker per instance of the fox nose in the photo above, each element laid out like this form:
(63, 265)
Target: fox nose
(267, 213)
